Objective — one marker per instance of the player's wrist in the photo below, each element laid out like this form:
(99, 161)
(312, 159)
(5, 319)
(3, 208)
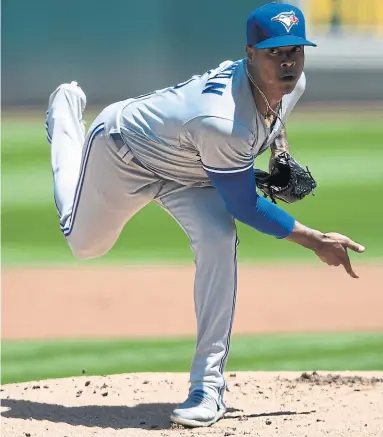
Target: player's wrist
(280, 144)
(306, 237)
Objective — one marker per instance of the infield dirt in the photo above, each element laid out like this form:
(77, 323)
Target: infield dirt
(147, 301)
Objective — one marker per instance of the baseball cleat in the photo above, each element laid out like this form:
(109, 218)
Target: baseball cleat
(74, 96)
(199, 409)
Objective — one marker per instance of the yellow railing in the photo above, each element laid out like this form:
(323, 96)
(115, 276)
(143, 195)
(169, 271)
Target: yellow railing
(358, 14)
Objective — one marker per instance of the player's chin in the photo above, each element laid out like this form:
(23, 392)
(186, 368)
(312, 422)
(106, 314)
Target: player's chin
(287, 83)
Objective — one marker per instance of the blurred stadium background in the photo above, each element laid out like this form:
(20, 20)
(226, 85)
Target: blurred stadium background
(120, 49)
(131, 48)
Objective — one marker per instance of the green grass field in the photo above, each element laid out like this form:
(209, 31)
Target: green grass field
(344, 155)
(51, 359)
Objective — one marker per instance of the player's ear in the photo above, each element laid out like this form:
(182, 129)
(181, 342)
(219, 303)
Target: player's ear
(250, 53)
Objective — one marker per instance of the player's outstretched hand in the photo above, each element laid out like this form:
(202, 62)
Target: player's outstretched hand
(331, 248)
(333, 251)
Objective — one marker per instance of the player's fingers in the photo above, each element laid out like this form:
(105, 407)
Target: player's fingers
(347, 242)
(356, 247)
(347, 265)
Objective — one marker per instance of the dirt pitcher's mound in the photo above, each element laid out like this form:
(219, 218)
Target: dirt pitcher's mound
(135, 405)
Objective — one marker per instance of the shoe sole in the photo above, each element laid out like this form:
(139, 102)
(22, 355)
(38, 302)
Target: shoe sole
(196, 423)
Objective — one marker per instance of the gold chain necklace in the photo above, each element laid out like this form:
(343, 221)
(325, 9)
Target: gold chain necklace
(269, 117)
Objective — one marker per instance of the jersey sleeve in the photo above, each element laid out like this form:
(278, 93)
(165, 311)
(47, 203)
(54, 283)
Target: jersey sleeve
(224, 147)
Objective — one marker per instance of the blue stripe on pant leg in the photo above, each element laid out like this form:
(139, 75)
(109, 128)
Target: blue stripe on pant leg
(49, 138)
(67, 230)
(224, 358)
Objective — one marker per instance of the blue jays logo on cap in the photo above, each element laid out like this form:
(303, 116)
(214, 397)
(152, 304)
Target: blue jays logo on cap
(288, 19)
(276, 25)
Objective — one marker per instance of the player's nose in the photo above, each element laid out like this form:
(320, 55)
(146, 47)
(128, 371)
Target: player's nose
(287, 63)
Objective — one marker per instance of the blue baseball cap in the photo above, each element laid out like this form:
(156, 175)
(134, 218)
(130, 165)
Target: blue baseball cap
(276, 25)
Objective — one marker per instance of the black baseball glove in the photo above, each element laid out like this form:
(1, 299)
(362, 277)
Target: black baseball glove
(288, 180)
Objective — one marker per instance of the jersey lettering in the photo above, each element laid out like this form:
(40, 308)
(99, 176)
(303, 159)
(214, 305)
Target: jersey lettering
(214, 88)
(217, 87)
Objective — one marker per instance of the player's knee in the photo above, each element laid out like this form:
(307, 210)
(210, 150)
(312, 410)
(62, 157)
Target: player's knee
(217, 239)
(84, 250)
(85, 253)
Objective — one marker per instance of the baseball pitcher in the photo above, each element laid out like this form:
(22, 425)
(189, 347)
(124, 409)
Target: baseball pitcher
(191, 148)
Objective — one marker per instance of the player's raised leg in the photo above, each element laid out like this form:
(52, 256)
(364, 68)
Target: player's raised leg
(96, 191)
(212, 232)
(66, 135)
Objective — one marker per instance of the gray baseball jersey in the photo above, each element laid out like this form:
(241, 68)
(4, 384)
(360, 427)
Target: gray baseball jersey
(208, 122)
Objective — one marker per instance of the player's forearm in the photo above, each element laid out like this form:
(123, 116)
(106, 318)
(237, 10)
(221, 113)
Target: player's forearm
(280, 144)
(238, 192)
(266, 217)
